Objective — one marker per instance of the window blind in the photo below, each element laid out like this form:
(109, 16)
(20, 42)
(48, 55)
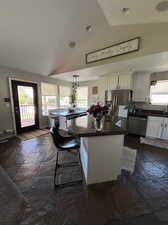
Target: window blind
(48, 89)
(159, 92)
(65, 91)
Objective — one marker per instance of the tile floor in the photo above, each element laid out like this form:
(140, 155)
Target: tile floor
(140, 199)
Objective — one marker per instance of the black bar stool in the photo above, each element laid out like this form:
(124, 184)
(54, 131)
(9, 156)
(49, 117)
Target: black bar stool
(65, 144)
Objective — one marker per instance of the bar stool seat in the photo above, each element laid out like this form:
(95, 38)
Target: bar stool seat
(65, 144)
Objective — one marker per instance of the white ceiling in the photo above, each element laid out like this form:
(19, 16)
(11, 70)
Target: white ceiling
(35, 33)
(142, 11)
(151, 63)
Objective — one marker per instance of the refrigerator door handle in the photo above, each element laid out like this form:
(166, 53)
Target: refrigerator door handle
(115, 104)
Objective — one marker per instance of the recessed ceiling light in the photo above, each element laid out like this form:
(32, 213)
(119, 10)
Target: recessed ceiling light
(88, 28)
(162, 6)
(125, 10)
(72, 44)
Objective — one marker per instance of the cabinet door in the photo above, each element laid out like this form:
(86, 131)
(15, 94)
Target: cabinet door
(125, 81)
(141, 87)
(155, 127)
(139, 95)
(111, 82)
(165, 129)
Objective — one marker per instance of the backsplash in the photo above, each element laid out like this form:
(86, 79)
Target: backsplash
(147, 106)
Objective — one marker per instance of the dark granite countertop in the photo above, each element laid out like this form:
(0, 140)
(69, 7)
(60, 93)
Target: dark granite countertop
(146, 113)
(85, 127)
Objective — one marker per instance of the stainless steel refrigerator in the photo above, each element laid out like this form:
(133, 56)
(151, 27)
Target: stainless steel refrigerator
(114, 98)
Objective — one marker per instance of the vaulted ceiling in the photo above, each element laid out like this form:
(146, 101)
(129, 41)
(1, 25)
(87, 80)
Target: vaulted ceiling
(35, 34)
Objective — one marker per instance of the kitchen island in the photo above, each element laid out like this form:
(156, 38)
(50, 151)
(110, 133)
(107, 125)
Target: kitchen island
(100, 151)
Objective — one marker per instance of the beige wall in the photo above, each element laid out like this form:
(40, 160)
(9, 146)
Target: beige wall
(6, 121)
(101, 90)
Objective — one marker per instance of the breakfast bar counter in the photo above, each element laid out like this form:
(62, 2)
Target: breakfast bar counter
(85, 127)
(101, 150)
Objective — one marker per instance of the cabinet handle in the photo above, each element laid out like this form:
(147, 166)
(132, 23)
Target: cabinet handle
(161, 124)
(165, 124)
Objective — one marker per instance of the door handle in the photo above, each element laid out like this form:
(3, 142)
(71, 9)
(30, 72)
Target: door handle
(16, 109)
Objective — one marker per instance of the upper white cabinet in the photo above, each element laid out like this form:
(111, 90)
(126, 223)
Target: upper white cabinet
(157, 127)
(125, 81)
(118, 81)
(141, 87)
(111, 82)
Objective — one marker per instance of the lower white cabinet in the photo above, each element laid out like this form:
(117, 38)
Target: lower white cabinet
(157, 127)
(165, 129)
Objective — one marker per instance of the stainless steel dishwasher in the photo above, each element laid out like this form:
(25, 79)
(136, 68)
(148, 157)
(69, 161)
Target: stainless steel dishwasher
(137, 125)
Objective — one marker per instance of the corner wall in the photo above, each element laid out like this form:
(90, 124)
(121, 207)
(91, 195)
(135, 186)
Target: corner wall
(6, 121)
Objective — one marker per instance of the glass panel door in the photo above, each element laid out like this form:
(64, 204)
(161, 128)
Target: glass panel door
(25, 105)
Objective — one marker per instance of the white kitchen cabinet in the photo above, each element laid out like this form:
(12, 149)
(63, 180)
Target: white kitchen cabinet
(157, 127)
(111, 82)
(118, 81)
(125, 81)
(165, 129)
(154, 127)
(141, 87)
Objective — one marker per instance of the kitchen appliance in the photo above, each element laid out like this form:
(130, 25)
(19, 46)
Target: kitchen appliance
(114, 98)
(137, 125)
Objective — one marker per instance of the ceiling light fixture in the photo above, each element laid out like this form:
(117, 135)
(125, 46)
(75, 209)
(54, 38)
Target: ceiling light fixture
(72, 44)
(125, 10)
(162, 6)
(75, 83)
(88, 28)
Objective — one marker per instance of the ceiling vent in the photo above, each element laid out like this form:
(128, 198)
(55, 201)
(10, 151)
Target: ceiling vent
(72, 44)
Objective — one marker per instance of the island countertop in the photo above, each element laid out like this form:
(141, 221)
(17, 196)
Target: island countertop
(85, 127)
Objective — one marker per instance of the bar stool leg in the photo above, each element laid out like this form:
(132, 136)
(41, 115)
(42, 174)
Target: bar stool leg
(57, 165)
(55, 173)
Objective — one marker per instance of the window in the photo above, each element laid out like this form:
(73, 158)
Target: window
(65, 93)
(82, 97)
(49, 94)
(159, 92)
